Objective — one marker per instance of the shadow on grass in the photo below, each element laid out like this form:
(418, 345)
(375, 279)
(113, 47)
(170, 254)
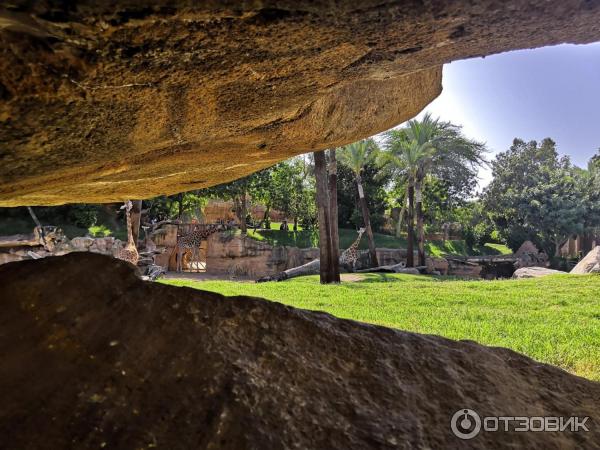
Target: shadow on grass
(383, 277)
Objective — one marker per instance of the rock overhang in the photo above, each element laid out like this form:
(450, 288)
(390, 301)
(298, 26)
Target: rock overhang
(105, 102)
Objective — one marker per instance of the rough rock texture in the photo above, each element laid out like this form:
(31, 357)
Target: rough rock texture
(590, 263)
(534, 272)
(528, 255)
(236, 255)
(92, 357)
(101, 101)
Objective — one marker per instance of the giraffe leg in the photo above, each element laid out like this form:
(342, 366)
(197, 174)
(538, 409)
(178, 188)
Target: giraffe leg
(195, 259)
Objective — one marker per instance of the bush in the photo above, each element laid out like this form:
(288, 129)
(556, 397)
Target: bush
(83, 215)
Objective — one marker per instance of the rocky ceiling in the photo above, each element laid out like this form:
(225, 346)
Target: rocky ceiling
(102, 101)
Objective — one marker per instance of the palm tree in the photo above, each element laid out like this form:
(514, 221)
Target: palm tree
(425, 147)
(406, 155)
(356, 156)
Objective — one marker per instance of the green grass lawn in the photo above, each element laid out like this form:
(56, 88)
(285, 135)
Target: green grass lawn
(553, 319)
(307, 238)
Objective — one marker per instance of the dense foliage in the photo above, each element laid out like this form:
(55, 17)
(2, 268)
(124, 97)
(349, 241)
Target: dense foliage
(537, 195)
(348, 207)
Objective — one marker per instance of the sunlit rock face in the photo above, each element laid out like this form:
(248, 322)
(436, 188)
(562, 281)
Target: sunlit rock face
(104, 101)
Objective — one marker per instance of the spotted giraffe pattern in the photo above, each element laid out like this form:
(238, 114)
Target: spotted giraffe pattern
(350, 255)
(192, 241)
(129, 253)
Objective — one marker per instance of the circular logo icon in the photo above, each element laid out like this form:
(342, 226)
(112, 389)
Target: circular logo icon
(465, 424)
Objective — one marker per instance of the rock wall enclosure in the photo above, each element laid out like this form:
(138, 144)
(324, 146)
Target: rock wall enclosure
(109, 361)
(105, 101)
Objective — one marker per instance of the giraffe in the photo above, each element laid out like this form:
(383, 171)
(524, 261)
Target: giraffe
(350, 255)
(129, 253)
(192, 241)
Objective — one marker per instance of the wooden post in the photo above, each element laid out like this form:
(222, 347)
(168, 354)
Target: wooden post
(333, 218)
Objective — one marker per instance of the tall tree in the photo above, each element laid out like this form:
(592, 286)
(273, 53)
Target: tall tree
(333, 216)
(534, 194)
(328, 264)
(289, 191)
(405, 156)
(429, 146)
(589, 185)
(356, 156)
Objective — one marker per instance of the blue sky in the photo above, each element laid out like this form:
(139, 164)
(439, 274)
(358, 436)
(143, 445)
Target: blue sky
(532, 94)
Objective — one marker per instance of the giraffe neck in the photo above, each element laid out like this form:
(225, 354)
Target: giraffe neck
(199, 234)
(130, 242)
(212, 230)
(357, 241)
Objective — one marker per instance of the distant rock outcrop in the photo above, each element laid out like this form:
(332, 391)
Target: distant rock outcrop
(528, 255)
(589, 264)
(93, 357)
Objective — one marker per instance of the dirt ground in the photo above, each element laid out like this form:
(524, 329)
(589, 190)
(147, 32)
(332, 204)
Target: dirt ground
(203, 276)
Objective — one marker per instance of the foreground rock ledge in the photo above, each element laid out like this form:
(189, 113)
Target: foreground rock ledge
(93, 357)
(101, 101)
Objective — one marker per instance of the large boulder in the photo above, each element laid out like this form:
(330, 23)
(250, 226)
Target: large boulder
(589, 264)
(93, 357)
(101, 101)
(535, 272)
(528, 255)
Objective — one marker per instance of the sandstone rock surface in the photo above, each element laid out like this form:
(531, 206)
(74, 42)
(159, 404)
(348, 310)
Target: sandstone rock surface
(93, 357)
(589, 264)
(535, 272)
(102, 101)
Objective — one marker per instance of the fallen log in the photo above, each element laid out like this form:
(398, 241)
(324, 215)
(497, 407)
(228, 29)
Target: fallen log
(19, 240)
(313, 267)
(310, 268)
(396, 268)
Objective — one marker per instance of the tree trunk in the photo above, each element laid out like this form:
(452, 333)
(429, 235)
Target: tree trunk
(367, 222)
(136, 216)
(20, 240)
(400, 217)
(420, 230)
(322, 195)
(410, 258)
(180, 201)
(266, 223)
(295, 223)
(558, 243)
(333, 218)
(37, 224)
(243, 213)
